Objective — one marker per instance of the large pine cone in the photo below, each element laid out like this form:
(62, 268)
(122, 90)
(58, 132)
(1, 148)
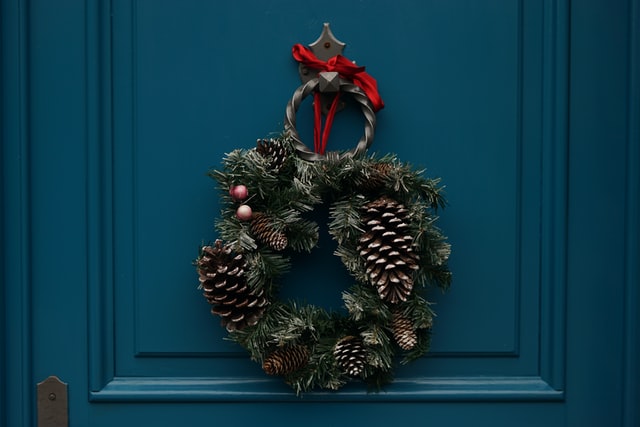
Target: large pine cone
(403, 331)
(273, 150)
(261, 228)
(286, 360)
(350, 354)
(387, 248)
(225, 287)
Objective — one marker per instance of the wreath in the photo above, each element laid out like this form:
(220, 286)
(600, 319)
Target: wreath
(382, 215)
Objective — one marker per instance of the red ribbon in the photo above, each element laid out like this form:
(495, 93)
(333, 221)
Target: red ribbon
(344, 67)
(347, 70)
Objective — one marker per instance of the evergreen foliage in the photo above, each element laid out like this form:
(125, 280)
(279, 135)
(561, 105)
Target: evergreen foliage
(284, 194)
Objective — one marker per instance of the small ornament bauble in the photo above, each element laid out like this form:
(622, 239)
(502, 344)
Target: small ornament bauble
(239, 192)
(244, 212)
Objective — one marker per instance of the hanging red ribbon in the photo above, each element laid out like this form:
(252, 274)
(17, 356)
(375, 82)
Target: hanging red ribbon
(347, 70)
(319, 144)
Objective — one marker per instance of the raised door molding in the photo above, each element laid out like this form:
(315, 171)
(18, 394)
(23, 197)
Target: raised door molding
(128, 364)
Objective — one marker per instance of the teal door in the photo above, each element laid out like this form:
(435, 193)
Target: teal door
(113, 112)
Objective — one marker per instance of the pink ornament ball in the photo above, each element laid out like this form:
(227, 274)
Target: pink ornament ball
(239, 192)
(244, 213)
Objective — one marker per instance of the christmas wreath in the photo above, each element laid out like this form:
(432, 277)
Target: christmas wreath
(382, 215)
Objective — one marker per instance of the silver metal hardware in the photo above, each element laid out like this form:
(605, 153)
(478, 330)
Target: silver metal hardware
(325, 47)
(53, 403)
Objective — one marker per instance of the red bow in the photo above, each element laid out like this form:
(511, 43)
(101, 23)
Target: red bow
(345, 68)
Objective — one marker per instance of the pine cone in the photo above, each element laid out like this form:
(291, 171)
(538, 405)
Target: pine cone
(377, 176)
(225, 287)
(387, 249)
(273, 150)
(263, 230)
(350, 355)
(286, 360)
(403, 331)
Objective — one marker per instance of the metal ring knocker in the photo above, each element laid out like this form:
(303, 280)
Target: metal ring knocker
(344, 86)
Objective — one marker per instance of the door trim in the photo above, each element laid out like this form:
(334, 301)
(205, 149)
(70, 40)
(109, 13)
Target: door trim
(106, 385)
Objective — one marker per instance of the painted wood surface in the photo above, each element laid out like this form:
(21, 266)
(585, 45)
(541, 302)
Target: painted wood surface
(114, 111)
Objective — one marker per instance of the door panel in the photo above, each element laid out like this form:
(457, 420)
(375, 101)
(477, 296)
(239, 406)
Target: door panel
(113, 112)
(182, 98)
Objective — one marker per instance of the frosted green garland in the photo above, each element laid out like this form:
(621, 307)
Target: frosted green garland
(286, 195)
